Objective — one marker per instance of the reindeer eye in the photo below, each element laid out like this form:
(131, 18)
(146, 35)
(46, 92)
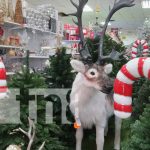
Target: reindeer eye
(92, 73)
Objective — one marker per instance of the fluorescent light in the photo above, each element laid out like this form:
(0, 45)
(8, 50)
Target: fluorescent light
(102, 23)
(146, 4)
(87, 8)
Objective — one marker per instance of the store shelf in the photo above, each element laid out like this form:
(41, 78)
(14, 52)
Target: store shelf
(10, 73)
(10, 24)
(40, 57)
(48, 48)
(9, 46)
(70, 41)
(31, 57)
(36, 29)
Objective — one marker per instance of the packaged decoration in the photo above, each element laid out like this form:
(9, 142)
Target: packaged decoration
(3, 11)
(18, 13)
(10, 12)
(1, 16)
(11, 53)
(7, 41)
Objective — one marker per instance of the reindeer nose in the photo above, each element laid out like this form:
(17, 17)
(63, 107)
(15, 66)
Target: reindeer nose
(92, 73)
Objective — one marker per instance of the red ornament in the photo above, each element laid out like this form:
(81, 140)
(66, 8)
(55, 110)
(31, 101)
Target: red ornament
(1, 32)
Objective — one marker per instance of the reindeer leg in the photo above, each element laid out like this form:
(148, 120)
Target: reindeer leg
(79, 137)
(118, 122)
(100, 137)
(106, 128)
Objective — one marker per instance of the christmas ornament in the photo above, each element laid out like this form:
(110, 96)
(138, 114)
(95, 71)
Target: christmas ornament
(10, 12)
(18, 12)
(1, 16)
(3, 83)
(123, 85)
(7, 41)
(144, 46)
(3, 11)
(12, 53)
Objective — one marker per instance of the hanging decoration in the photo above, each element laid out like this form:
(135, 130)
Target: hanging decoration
(97, 8)
(18, 13)
(10, 12)
(96, 27)
(114, 34)
(144, 48)
(123, 85)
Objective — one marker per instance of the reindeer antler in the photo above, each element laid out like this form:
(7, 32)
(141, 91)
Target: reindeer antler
(117, 6)
(83, 49)
(30, 134)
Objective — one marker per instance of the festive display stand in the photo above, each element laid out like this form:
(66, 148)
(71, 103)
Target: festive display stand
(123, 86)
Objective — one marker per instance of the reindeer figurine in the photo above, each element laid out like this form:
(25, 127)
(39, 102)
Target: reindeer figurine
(91, 98)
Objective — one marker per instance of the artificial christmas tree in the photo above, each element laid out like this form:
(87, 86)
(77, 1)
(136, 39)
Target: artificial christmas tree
(59, 73)
(140, 101)
(18, 12)
(50, 133)
(140, 133)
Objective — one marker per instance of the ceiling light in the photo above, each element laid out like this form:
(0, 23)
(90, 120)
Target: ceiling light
(102, 23)
(87, 9)
(146, 4)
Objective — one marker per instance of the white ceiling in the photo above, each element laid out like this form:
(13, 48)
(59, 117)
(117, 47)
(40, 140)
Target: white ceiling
(127, 18)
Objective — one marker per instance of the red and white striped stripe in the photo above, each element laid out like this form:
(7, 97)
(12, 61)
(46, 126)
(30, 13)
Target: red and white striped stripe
(3, 82)
(123, 85)
(144, 45)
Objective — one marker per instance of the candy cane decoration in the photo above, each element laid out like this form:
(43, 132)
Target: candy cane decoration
(123, 85)
(144, 45)
(3, 83)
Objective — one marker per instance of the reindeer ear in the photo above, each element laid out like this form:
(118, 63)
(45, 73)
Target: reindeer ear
(77, 66)
(108, 68)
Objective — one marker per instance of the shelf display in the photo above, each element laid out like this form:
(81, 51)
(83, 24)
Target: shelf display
(72, 32)
(37, 20)
(8, 42)
(8, 47)
(24, 27)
